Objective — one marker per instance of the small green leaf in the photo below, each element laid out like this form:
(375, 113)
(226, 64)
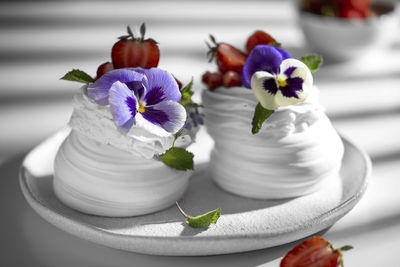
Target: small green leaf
(78, 76)
(203, 220)
(187, 93)
(178, 158)
(276, 44)
(260, 115)
(192, 105)
(346, 248)
(312, 61)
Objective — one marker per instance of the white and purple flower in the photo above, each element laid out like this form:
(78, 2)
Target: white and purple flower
(148, 98)
(275, 77)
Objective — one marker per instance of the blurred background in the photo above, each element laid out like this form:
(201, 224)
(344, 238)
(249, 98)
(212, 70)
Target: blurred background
(41, 40)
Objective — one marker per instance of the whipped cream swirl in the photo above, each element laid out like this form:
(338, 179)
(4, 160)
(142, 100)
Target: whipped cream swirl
(295, 151)
(96, 122)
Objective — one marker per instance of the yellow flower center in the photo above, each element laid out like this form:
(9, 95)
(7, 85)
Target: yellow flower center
(142, 109)
(281, 82)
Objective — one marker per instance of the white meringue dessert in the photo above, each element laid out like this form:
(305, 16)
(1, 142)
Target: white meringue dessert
(295, 152)
(100, 171)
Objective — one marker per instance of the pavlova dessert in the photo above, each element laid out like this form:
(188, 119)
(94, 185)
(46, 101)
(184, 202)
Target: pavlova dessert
(272, 137)
(125, 154)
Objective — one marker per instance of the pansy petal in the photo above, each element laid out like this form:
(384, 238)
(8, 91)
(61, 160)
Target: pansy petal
(294, 86)
(282, 100)
(169, 115)
(263, 95)
(99, 90)
(263, 58)
(123, 105)
(161, 86)
(296, 68)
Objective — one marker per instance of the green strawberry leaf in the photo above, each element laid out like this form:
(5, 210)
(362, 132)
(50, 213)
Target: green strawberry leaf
(312, 61)
(78, 76)
(178, 158)
(203, 220)
(346, 248)
(260, 115)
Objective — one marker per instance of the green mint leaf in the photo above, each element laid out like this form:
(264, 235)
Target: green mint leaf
(187, 93)
(193, 105)
(276, 44)
(260, 115)
(78, 76)
(312, 61)
(203, 220)
(178, 158)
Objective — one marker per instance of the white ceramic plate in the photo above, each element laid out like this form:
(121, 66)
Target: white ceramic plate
(245, 224)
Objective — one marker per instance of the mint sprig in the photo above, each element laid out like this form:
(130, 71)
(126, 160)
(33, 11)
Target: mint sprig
(76, 75)
(312, 61)
(187, 93)
(201, 221)
(260, 115)
(178, 158)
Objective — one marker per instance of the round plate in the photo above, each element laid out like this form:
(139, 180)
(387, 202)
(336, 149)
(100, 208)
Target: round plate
(245, 224)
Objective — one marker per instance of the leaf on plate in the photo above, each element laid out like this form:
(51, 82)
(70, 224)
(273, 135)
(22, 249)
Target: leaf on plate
(203, 220)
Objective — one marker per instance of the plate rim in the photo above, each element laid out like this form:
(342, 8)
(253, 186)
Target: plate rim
(323, 220)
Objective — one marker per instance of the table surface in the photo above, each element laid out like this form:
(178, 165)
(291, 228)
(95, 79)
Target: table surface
(42, 40)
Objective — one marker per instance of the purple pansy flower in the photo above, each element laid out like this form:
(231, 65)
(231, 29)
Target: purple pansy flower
(275, 78)
(149, 98)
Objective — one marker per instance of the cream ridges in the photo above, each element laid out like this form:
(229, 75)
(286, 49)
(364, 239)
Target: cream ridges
(296, 150)
(98, 170)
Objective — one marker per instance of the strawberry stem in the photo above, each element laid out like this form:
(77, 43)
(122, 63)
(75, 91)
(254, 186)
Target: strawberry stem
(130, 32)
(142, 31)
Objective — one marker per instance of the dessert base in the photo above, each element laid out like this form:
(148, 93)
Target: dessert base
(99, 179)
(245, 224)
(295, 153)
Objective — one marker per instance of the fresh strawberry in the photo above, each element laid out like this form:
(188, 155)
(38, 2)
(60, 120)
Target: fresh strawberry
(103, 68)
(130, 52)
(228, 57)
(314, 252)
(213, 80)
(231, 78)
(258, 38)
(351, 13)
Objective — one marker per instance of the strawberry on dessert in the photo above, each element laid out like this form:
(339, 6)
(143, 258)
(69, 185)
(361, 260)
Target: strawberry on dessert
(231, 78)
(213, 80)
(130, 52)
(103, 68)
(228, 57)
(314, 252)
(258, 38)
(230, 60)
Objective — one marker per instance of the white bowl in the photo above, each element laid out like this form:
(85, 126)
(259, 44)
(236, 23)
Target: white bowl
(339, 39)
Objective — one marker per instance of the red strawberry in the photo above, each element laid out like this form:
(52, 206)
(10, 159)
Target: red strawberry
(205, 77)
(228, 57)
(231, 78)
(130, 52)
(103, 68)
(351, 13)
(258, 38)
(314, 252)
(213, 80)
